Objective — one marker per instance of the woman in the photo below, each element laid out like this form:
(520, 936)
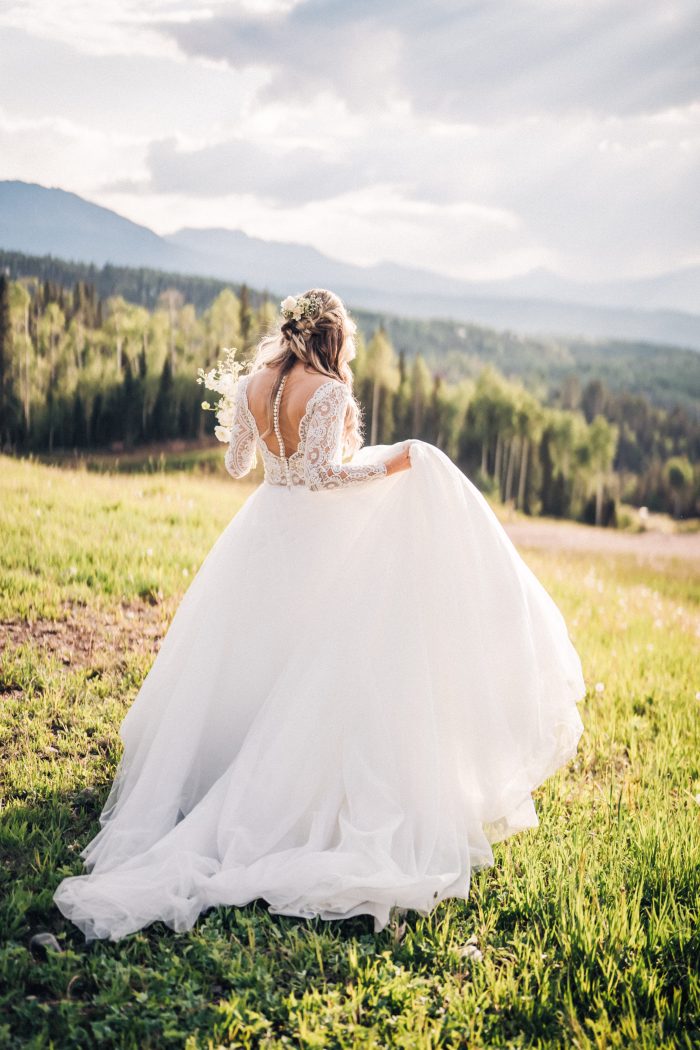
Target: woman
(359, 691)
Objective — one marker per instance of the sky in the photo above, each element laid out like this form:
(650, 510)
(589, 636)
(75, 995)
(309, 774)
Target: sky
(479, 139)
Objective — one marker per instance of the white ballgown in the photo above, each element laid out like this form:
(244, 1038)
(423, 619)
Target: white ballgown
(356, 697)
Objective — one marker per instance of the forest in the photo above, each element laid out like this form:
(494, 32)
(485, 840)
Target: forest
(83, 370)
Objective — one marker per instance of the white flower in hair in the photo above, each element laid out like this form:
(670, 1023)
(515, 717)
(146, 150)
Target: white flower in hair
(296, 308)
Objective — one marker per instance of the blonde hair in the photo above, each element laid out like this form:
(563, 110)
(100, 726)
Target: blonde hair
(318, 342)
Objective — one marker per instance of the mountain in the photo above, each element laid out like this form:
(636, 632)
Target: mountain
(666, 308)
(676, 290)
(269, 262)
(41, 221)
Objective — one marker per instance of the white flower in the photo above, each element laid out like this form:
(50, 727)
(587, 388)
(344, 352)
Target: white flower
(599, 687)
(228, 385)
(225, 414)
(223, 380)
(471, 950)
(289, 303)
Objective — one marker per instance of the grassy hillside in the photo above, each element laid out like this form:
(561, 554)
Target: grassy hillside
(587, 927)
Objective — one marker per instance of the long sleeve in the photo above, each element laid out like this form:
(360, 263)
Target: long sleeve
(241, 454)
(322, 468)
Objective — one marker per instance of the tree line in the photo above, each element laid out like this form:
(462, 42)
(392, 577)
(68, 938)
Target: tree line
(79, 371)
(668, 376)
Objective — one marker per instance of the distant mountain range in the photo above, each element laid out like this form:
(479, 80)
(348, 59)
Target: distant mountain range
(665, 308)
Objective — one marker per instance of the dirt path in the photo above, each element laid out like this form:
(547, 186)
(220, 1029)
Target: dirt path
(554, 535)
(80, 638)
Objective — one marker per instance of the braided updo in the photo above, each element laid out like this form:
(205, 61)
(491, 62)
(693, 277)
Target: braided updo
(318, 342)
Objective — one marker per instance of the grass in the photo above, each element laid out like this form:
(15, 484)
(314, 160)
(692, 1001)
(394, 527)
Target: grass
(588, 926)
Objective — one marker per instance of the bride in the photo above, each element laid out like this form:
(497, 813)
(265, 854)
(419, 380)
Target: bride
(359, 691)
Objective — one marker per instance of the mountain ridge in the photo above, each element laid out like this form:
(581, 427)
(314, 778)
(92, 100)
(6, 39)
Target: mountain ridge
(40, 220)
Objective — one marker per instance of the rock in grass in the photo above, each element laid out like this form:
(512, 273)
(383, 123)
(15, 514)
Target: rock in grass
(397, 927)
(43, 943)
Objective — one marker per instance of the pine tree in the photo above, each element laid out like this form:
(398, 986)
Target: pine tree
(246, 315)
(132, 411)
(80, 427)
(8, 399)
(96, 425)
(163, 408)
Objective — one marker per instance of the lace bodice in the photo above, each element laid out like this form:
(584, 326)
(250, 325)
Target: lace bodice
(316, 462)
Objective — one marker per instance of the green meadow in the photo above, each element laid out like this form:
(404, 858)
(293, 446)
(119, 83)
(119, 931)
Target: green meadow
(584, 933)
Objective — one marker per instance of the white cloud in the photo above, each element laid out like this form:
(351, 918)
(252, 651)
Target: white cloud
(108, 28)
(477, 138)
(483, 60)
(59, 152)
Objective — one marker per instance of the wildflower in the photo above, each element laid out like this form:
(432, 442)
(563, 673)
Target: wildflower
(471, 950)
(599, 687)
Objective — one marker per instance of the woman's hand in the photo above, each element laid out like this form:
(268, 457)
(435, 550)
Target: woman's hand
(400, 461)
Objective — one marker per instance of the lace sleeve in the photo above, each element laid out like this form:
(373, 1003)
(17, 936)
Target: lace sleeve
(322, 466)
(241, 454)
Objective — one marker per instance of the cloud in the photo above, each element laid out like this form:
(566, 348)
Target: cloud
(70, 155)
(109, 28)
(238, 165)
(316, 46)
(479, 60)
(480, 137)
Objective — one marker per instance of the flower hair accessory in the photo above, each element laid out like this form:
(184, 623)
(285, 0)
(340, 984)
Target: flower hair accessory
(294, 309)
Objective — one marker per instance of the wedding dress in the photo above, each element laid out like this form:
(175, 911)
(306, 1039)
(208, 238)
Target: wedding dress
(355, 699)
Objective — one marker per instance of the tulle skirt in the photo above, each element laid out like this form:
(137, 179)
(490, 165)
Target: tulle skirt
(355, 699)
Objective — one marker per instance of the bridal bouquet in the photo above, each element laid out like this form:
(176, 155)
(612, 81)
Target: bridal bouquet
(223, 380)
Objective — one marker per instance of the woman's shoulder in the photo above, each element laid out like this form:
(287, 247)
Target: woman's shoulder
(327, 396)
(309, 381)
(326, 388)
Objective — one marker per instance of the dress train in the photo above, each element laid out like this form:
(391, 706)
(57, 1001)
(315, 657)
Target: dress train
(355, 699)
